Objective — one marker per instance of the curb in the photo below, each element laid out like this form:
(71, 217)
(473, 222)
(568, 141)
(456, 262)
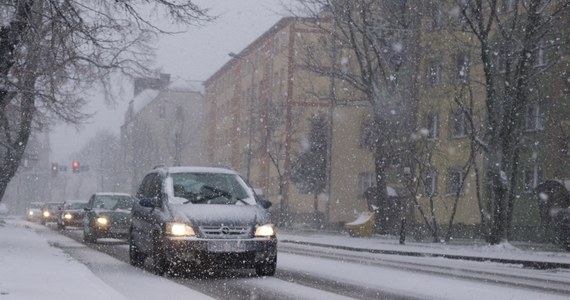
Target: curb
(540, 265)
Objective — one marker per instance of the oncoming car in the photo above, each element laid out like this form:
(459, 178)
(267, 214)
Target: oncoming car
(199, 218)
(107, 215)
(50, 211)
(71, 214)
(34, 211)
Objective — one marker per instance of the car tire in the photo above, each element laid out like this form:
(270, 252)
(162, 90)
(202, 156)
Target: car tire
(160, 263)
(266, 268)
(136, 258)
(43, 222)
(60, 226)
(89, 237)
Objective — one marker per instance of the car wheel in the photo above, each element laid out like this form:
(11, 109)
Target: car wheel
(160, 263)
(43, 222)
(266, 268)
(89, 237)
(60, 226)
(136, 258)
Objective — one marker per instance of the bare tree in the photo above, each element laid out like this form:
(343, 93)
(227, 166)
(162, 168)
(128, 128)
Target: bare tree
(509, 48)
(372, 45)
(51, 51)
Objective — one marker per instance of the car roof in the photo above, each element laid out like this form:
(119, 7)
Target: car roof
(113, 194)
(190, 169)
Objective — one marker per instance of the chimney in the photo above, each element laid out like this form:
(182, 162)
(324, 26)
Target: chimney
(142, 84)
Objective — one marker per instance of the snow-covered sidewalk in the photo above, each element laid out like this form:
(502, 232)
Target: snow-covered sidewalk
(31, 268)
(504, 251)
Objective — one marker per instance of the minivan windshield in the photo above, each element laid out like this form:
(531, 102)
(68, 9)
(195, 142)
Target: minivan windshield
(113, 202)
(209, 188)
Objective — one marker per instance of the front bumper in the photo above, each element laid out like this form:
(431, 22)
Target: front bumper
(111, 231)
(221, 252)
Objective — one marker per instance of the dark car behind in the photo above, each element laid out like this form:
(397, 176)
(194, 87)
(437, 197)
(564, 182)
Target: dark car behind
(72, 214)
(50, 211)
(107, 215)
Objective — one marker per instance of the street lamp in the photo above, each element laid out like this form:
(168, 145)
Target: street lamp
(250, 124)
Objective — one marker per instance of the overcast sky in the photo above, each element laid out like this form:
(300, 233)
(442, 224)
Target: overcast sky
(194, 55)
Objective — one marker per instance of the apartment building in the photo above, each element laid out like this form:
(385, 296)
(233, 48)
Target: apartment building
(163, 125)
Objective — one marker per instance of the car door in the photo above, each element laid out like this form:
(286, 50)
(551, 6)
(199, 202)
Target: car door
(88, 212)
(147, 220)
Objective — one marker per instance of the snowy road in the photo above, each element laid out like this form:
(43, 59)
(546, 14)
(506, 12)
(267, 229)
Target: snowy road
(308, 272)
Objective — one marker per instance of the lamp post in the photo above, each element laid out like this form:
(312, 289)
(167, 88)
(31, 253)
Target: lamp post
(250, 121)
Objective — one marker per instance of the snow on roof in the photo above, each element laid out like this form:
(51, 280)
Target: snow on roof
(143, 99)
(200, 170)
(177, 85)
(112, 194)
(182, 85)
(391, 192)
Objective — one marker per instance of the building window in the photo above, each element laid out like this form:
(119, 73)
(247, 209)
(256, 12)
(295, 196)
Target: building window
(432, 126)
(534, 117)
(437, 19)
(365, 181)
(540, 54)
(430, 183)
(462, 68)
(179, 113)
(367, 134)
(161, 112)
(456, 178)
(459, 128)
(435, 73)
(501, 61)
(532, 177)
(505, 6)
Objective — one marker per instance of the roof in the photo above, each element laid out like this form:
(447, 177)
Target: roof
(143, 99)
(112, 194)
(255, 44)
(189, 169)
(148, 95)
(183, 85)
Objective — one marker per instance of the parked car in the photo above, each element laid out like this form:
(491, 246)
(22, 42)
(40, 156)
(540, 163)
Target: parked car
(71, 214)
(107, 215)
(34, 211)
(50, 211)
(201, 218)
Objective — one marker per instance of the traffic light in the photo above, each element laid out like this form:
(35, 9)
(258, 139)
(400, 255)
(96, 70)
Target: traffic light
(75, 166)
(54, 168)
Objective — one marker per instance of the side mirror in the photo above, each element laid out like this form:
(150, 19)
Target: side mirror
(147, 202)
(265, 203)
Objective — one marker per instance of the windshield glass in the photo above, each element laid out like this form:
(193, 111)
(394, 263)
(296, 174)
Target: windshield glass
(53, 206)
(113, 202)
(209, 188)
(75, 205)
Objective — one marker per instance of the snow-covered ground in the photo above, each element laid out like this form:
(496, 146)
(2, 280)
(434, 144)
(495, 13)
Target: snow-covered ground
(513, 251)
(37, 263)
(30, 268)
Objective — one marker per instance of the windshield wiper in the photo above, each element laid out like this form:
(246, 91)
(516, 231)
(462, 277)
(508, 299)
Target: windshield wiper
(216, 193)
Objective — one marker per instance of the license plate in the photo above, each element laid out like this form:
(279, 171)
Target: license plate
(119, 231)
(226, 246)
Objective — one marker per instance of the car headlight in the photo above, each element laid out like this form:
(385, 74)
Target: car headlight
(179, 229)
(46, 214)
(265, 231)
(102, 221)
(31, 213)
(67, 216)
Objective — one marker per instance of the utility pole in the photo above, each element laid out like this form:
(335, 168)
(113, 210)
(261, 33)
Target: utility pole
(330, 119)
(250, 121)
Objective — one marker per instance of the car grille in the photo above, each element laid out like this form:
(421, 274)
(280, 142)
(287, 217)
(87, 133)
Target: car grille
(226, 232)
